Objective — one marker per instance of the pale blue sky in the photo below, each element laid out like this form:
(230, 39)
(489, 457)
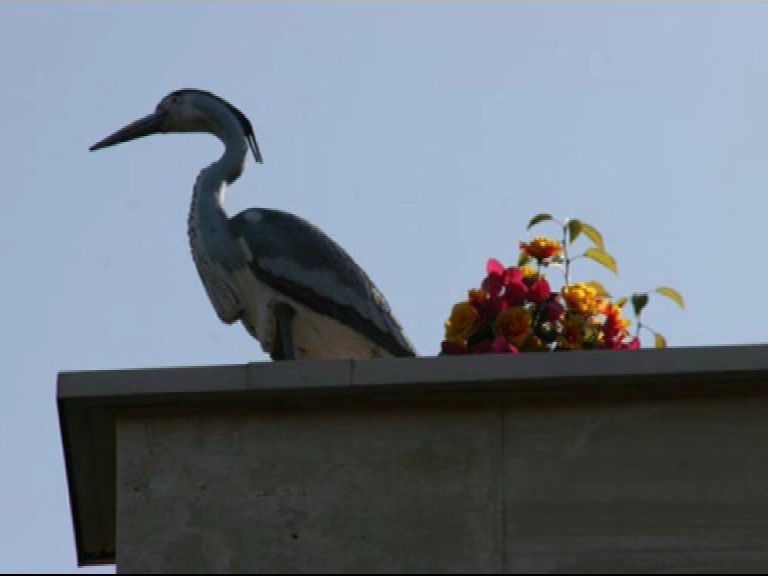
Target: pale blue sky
(422, 137)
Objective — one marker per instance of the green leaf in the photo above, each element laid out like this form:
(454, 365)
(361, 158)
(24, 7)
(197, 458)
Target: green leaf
(602, 258)
(599, 288)
(523, 259)
(621, 302)
(574, 229)
(672, 294)
(592, 233)
(638, 302)
(660, 341)
(538, 218)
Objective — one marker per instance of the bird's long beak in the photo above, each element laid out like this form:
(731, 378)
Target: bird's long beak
(144, 127)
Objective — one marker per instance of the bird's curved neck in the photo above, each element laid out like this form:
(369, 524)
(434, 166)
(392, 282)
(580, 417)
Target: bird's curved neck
(207, 225)
(231, 165)
(211, 184)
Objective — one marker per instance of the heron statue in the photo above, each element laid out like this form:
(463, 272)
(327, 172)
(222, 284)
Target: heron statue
(293, 288)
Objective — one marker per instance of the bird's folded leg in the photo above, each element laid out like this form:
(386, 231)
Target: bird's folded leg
(283, 342)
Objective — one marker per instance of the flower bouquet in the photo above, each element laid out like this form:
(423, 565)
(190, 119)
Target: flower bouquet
(516, 310)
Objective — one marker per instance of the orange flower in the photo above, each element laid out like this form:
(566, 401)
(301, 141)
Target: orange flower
(463, 321)
(614, 330)
(614, 313)
(582, 299)
(515, 325)
(541, 248)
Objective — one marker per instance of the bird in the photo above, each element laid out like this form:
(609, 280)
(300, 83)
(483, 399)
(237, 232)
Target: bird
(292, 287)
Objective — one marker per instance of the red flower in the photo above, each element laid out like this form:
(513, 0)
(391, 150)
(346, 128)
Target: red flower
(515, 290)
(539, 291)
(494, 281)
(493, 284)
(541, 248)
(488, 305)
(512, 275)
(454, 347)
(482, 347)
(554, 308)
(614, 329)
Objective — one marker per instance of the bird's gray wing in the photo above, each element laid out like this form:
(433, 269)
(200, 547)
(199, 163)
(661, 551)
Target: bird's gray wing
(297, 259)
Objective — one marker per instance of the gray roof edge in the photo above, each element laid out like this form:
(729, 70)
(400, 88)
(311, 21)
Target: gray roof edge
(451, 371)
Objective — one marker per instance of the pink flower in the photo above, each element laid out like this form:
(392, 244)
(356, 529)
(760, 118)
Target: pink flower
(494, 281)
(498, 346)
(501, 346)
(633, 344)
(494, 267)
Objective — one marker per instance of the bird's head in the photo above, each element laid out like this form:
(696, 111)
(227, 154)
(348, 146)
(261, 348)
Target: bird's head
(187, 110)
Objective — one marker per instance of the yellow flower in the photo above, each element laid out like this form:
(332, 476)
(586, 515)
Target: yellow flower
(582, 299)
(528, 271)
(541, 248)
(463, 321)
(515, 325)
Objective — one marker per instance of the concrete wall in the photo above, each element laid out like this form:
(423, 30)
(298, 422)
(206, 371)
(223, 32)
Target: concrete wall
(483, 484)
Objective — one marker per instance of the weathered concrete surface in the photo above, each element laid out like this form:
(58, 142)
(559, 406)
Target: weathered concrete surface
(518, 488)
(648, 487)
(365, 492)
